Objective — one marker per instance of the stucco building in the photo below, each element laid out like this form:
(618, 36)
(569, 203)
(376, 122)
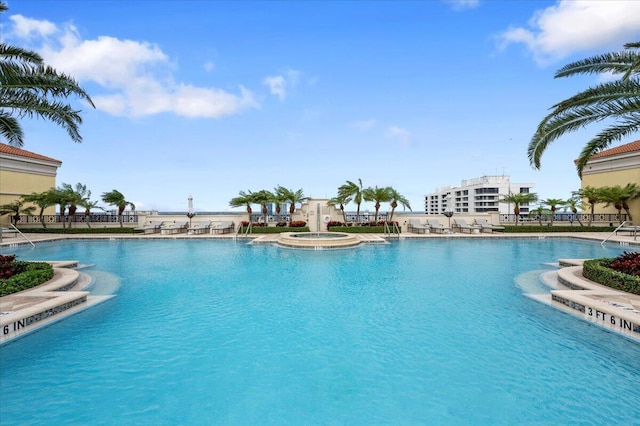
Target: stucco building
(23, 172)
(615, 166)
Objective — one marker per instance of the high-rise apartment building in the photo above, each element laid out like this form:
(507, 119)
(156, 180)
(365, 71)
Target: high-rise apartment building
(479, 195)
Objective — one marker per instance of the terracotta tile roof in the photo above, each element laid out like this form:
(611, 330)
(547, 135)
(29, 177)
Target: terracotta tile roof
(622, 149)
(8, 149)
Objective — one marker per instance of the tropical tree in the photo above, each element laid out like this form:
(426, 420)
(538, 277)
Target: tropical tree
(592, 195)
(377, 195)
(117, 199)
(620, 196)
(340, 201)
(397, 199)
(618, 100)
(42, 200)
(263, 197)
(518, 199)
(539, 213)
(354, 191)
(15, 209)
(291, 197)
(553, 204)
(573, 204)
(29, 88)
(244, 199)
(88, 205)
(64, 199)
(75, 196)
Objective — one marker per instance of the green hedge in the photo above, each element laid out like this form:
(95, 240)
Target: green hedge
(35, 273)
(560, 228)
(273, 229)
(116, 230)
(598, 270)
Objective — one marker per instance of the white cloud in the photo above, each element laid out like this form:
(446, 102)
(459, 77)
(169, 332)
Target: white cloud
(209, 66)
(399, 133)
(363, 124)
(137, 77)
(278, 84)
(576, 25)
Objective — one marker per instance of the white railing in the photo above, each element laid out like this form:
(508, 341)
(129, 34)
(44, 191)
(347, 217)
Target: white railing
(615, 231)
(17, 231)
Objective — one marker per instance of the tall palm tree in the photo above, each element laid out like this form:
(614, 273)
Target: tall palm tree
(244, 199)
(340, 200)
(573, 204)
(29, 88)
(64, 199)
(42, 200)
(76, 195)
(292, 197)
(518, 199)
(553, 204)
(622, 195)
(377, 195)
(116, 198)
(354, 191)
(15, 209)
(613, 195)
(593, 196)
(263, 197)
(539, 213)
(397, 198)
(618, 99)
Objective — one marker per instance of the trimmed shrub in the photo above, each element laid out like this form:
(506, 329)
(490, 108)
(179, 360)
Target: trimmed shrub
(600, 271)
(273, 229)
(115, 230)
(31, 275)
(628, 263)
(561, 228)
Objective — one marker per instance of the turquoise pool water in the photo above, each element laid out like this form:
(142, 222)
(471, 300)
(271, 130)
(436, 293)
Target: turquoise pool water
(415, 332)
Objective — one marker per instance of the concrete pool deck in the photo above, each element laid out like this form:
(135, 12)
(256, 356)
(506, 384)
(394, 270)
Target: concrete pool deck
(66, 294)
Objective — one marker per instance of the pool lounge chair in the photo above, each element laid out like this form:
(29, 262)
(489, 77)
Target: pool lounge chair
(463, 226)
(436, 226)
(174, 228)
(485, 226)
(632, 230)
(200, 227)
(222, 227)
(415, 226)
(150, 227)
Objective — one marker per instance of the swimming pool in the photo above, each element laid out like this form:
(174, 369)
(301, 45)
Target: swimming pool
(412, 332)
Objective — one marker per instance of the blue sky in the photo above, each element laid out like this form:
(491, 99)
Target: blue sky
(208, 98)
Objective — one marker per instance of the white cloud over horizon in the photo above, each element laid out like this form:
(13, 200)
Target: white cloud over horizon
(278, 84)
(137, 77)
(573, 26)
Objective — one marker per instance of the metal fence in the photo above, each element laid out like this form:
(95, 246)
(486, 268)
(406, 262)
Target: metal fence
(566, 218)
(78, 218)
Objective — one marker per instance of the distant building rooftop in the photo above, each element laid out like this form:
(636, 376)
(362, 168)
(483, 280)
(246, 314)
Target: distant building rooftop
(8, 149)
(622, 149)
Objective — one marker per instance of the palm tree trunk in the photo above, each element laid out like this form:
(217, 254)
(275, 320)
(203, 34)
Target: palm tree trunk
(41, 215)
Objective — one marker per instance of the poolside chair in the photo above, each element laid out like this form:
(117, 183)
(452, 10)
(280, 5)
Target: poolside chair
(415, 226)
(222, 227)
(200, 227)
(174, 228)
(485, 226)
(463, 226)
(436, 226)
(150, 227)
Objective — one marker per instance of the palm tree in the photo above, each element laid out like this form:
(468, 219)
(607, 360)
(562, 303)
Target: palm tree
(539, 212)
(63, 198)
(29, 88)
(340, 201)
(244, 199)
(518, 199)
(553, 204)
(354, 191)
(88, 205)
(592, 195)
(397, 198)
(613, 195)
(76, 195)
(378, 195)
(292, 197)
(116, 198)
(42, 200)
(573, 204)
(618, 99)
(15, 209)
(263, 197)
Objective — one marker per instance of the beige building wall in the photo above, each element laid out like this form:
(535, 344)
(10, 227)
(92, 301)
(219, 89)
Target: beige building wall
(616, 166)
(22, 173)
